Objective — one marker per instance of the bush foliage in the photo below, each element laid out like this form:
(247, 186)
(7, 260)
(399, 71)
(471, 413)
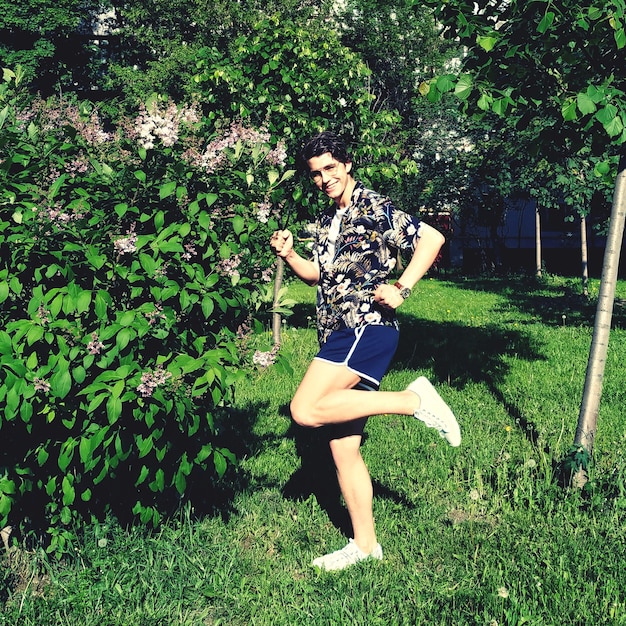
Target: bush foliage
(132, 261)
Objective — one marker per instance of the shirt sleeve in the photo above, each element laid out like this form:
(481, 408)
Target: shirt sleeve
(401, 228)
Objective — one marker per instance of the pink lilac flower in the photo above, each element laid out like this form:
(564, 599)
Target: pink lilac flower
(278, 156)
(43, 314)
(161, 272)
(228, 267)
(190, 251)
(79, 165)
(150, 380)
(90, 130)
(127, 244)
(244, 330)
(41, 385)
(153, 317)
(267, 275)
(214, 155)
(154, 123)
(265, 359)
(95, 345)
(263, 210)
(53, 115)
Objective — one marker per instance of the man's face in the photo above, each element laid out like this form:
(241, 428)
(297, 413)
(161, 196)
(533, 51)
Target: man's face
(329, 175)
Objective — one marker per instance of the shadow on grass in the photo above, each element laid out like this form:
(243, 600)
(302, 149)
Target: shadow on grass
(455, 354)
(551, 303)
(316, 477)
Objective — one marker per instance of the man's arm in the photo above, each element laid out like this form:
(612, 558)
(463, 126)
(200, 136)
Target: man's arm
(426, 250)
(282, 244)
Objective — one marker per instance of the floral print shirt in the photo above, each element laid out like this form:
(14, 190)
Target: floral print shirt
(371, 233)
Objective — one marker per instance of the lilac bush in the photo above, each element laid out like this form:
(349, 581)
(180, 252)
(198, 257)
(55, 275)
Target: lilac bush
(133, 264)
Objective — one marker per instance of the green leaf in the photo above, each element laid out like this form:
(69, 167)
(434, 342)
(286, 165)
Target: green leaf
(546, 22)
(42, 456)
(123, 338)
(606, 114)
(85, 450)
(204, 453)
(3, 115)
(69, 494)
(585, 104)
(167, 190)
(4, 291)
(220, 463)
(445, 83)
(486, 42)
(568, 110)
(34, 334)
(143, 474)
(180, 482)
(620, 38)
(127, 318)
(66, 453)
(83, 302)
(463, 87)
(101, 305)
(238, 224)
(6, 347)
(207, 306)
(159, 220)
(484, 102)
(144, 446)
(614, 127)
(114, 409)
(61, 383)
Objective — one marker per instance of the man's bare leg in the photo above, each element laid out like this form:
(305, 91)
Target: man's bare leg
(356, 487)
(325, 396)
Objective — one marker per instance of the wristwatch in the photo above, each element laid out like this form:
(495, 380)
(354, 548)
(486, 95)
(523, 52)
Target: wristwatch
(405, 292)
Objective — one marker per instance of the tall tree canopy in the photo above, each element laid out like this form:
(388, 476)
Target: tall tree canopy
(563, 63)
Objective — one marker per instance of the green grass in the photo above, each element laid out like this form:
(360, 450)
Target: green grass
(479, 535)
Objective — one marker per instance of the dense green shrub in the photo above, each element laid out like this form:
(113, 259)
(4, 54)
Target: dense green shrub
(133, 262)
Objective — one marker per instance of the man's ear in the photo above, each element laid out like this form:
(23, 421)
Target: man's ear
(348, 166)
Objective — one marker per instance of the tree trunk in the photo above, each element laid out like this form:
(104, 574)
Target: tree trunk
(278, 283)
(537, 242)
(584, 255)
(588, 417)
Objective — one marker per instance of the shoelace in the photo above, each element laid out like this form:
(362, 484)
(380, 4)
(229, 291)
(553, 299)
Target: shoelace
(430, 419)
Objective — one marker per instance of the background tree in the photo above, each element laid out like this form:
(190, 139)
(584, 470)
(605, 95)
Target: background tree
(562, 63)
(50, 40)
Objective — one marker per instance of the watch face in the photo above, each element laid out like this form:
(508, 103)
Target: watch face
(405, 293)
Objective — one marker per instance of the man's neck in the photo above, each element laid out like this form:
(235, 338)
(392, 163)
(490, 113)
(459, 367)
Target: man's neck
(346, 196)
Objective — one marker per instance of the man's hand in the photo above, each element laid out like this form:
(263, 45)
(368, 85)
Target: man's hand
(388, 296)
(281, 242)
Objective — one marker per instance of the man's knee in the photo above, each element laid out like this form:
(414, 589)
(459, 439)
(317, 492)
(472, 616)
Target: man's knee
(301, 415)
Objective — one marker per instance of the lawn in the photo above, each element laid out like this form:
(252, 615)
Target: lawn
(482, 535)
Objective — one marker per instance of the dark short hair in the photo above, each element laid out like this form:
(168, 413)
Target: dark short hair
(324, 142)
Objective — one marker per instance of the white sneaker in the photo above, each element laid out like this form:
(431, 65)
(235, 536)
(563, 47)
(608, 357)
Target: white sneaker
(348, 555)
(434, 412)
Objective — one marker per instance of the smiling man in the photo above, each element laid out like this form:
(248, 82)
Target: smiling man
(356, 244)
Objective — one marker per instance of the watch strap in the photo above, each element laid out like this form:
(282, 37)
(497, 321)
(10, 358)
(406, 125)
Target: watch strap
(405, 292)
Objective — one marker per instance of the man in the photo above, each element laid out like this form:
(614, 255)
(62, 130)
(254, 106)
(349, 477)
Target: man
(355, 251)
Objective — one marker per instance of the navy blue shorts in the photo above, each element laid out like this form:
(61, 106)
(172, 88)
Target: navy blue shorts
(367, 351)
